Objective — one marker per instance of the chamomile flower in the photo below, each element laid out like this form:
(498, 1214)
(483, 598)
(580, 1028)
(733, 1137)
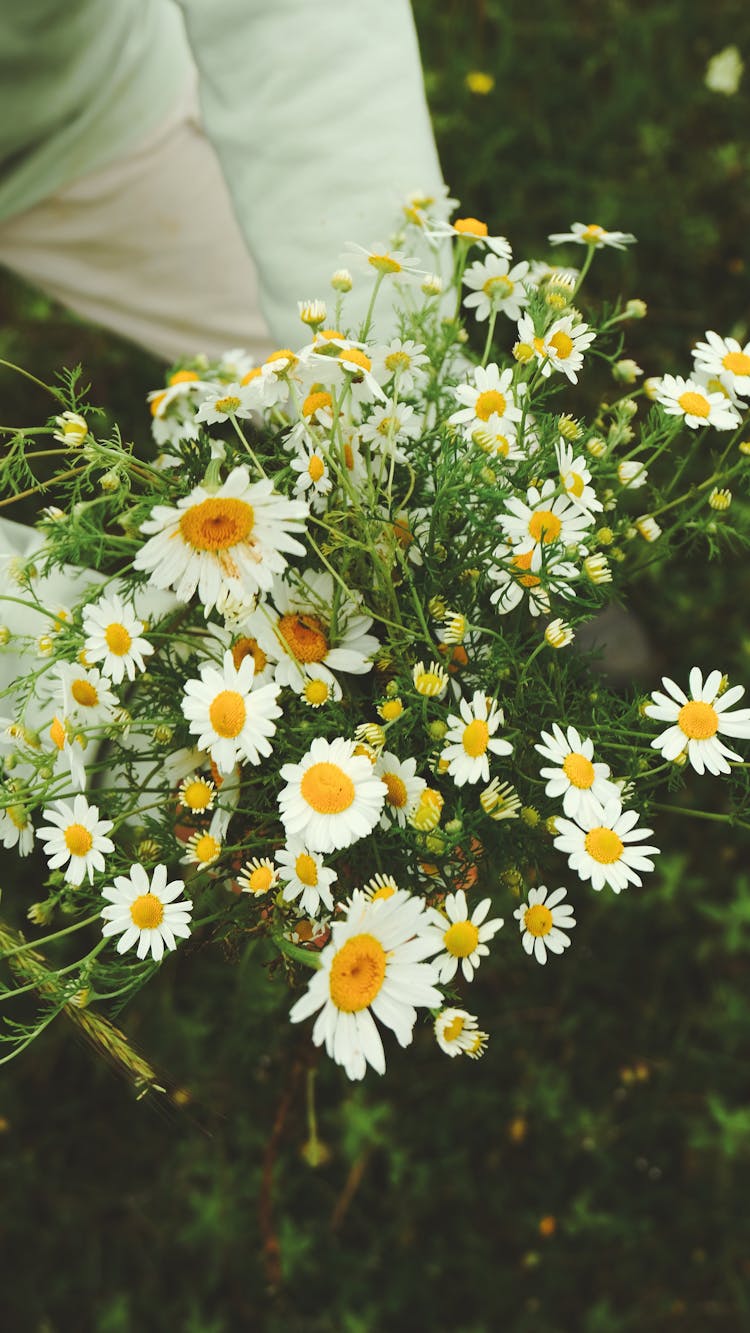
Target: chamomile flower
(316, 687)
(583, 784)
(487, 399)
(470, 231)
(431, 681)
(384, 261)
(697, 721)
(542, 518)
(373, 968)
(69, 750)
(258, 876)
(355, 365)
(698, 406)
(471, 739)
(201, 849)
(495, 286)
(500, 801)
(295, 626)
(332, 797)
(196, 793)
(75, 838)
(403, 361)
(114, 638)
(224, 401)
(313, 476)
(562, 346)
(726, 359)
(542, 920)
(146, 912)
(85, 695)
(236, 537)
(389, 424)
(457, 1033)
(403, 787)
(575, 477)
(594, 235)
(380, 886)
(462, 939)
(231, 720)
(16, 829)
(305, 876)
(604, 846)
(536, 573)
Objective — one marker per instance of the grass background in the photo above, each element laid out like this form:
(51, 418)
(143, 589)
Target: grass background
(591, 1173)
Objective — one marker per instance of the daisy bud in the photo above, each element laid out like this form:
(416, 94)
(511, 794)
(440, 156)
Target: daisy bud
(372, 734)
(455, 627)
(41, 913)
(530, 816)
(636, 309)
(110, 482)
(45, 645)
(147, 850)
(648, 527)
(432, 682)
(724, 71)
(437, 730)
(437, 608)
(342, 280)
(555, 300)
(558, 634)
(5, 635)
(632, 474)
(596, 446)
(551, 826)
(500, 801)
(426, 817)
(720, 499)
(597, 569)
(569, 428)
(681, 759)
(744, 446)
(71, 429)
(626, 371)
(523, 353)
(52, 513)
(652, 386)
(605, 536)
(432, 285)
(163, 733)
(312, 313)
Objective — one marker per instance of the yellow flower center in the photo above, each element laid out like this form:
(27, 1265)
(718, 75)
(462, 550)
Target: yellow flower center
(593, 233)
(737, 363)
(603, 845)
(206, 848)
(229, 403)
(117, 638)
(429, 810)
(694, 404)
(698, 721)
(397, 794)
(476, 738)
(391, 709)
(354, 359)
(18, 816)
(357, 973)
(217, 523)
(197, 794)
(316, 468)
(388, 424)
(498, 288)
(453, 1029)
(306, 870)
(349, 456)
(227, 713)
(544, 526)
(385, 891)
(147, 911)
(282, 354)
(246, 647)
(470, 227)
(84, 693)
(305, 636)
(182, 377)
(524, 562)
(538, 920)
(314, 402)
(260, 879)
(397, 361)
(78, 840)
(57, 733)
(384, 263)
(562, 343)
(461, 939)
(489, 403)
(429, 683)
(327, 789)
(579, 771)
(316, 692)
(573, 483)
(251, 375)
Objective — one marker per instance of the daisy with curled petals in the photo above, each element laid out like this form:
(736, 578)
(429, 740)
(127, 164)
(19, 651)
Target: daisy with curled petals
(332, 797)
(542, 921)
(697, 721)
(457, 1033)
(542, 518)
(496, 287)
(404, 361)
(404, 788)
(236, 537)
(146, 912)
(258, 876)
(373, 968)
(470, 739)
(537, 573)
(488, 399)
(698, 405)
(604, 846)
(469, 231)
(355, 365)
(113, 637)
(562, 346)
(727, 360)
(387, 263)
(305, 876)
(76, 838)
(594, 235)
(583, 785)
(462, 939)
(231, 720)
(575, 477)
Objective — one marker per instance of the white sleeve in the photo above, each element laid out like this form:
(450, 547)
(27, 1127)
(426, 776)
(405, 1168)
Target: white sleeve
(318, 114)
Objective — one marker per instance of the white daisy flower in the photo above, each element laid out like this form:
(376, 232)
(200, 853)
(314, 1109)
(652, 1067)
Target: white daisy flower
(385, 261)
(236, 537)
(699, 406)
(196, 793)
(495, 286)
(575, 477)
(76, 838)
(316, 687)
(113, 633)
(313, 475)
(332, 797)
(631, 474)
(463, 939)
(542, 921)
(146, 911)
(201, 849)
(224, 401)
(696, 722)
(457, 1033)
(470, 739)
(85, 695)
(355, 365)
(258, 876)
(583, 785)
(562, 346)
(231, 720)
(605, 849)
(593, 235)
(727, 359)
(69, 750)
(499, 440)
(405, 361)
(305, 876)
(486, 398)
(471, 231)
(404, 788)
(536, 573)
(180, 384)
(373, 968)
(542, 518)
(16, 829)
(431, 681)
(380, 886)
(387, 425)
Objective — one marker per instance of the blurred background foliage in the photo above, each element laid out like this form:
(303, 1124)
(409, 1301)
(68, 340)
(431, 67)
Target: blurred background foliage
(591, 1173)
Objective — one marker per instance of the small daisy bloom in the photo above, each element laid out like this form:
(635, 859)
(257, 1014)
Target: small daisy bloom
(332, 797)
(380, 886)
(470, 231)
(387, 425)
(470, 739)
(488, 399)
(542, 921)
(462, 939)
(536, 572)
(201, 849)
(305, 876)
(294, 626)
(457, 1033)
(85, 695)
(113, 637)
(76, 838)
(72, 429)
(146, 911)
(313, 475)
(317, 687)
(542, 518)
(593, 235)
(562, 346)
(69, 750)
(575, 477)
(583, 785)
(404, 361)
(355, 365)
(258, 876)
(373, 968)
(727, 359)
(404, 788)
(500, 801)
(495, 286)
(16, 829)
(231, 720)
(386, 262)
(631, 474)
(236, 537)
(605, 849)
(196, 793)
(431, 681)
(224, 401)
(698, 405)
(697, 721)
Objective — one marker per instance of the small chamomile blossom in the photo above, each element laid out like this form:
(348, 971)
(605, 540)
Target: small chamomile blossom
(496, 287)
(404, 788)
(85, 695)
(316, 687)
(583, 784)
(258, 876)
(16, 829)
(543, 919)
(313, 475)
(593, 235)
(562, 346)
(726, 359)
(431, 681)
(536, 573)
(146, 912)
(462, 939)
(69, 746)
(470, 739)
(631, 474)
(332, 797)
(196, 793)
(380, 886)
(75, 838)
(224, 401)
(697, 721)
(542, 518)
(403, 361)
(389, 424)
(575, 477)
(355, 366)
(500, 801)
(201, 849)
(470, 231)
(232, 720)
(680, 397)
(487, 399)
(305, 876)
(457, 1033)
(114, 638)
(384, 261)
(604, 846)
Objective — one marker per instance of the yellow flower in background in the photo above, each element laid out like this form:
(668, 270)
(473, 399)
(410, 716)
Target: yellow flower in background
(479, 83)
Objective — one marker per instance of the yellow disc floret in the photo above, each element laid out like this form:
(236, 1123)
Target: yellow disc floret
(327, 789)
(603, 845)
(699, 721)
(461, 939)
(227, 713)
(216, 524)
(357, 973)
(147, 911)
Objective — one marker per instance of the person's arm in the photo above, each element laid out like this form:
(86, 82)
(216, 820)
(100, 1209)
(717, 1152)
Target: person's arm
(318, 114)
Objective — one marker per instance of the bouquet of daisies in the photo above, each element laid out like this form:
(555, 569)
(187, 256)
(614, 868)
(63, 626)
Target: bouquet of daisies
(306, 667)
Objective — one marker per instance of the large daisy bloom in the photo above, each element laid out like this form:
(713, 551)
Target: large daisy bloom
(470, 739)
(305, 876)
(562, 346)
(457, 1033)
(231, 720)
(542, 921)
(76, 839)
(727, 360)
(236, 537)
(542, 518)
(688, 398)
(373, 968)
(146, 911)
(605, 849)
(488, 399)
(594, 235)
(114, 638)
(462, 939)
(332, 798)
(583, 785)
(495, 286)
(697, 721)
(404, 788)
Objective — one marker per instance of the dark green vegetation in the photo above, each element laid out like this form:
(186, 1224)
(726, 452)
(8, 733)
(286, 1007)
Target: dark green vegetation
(614, 1096)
